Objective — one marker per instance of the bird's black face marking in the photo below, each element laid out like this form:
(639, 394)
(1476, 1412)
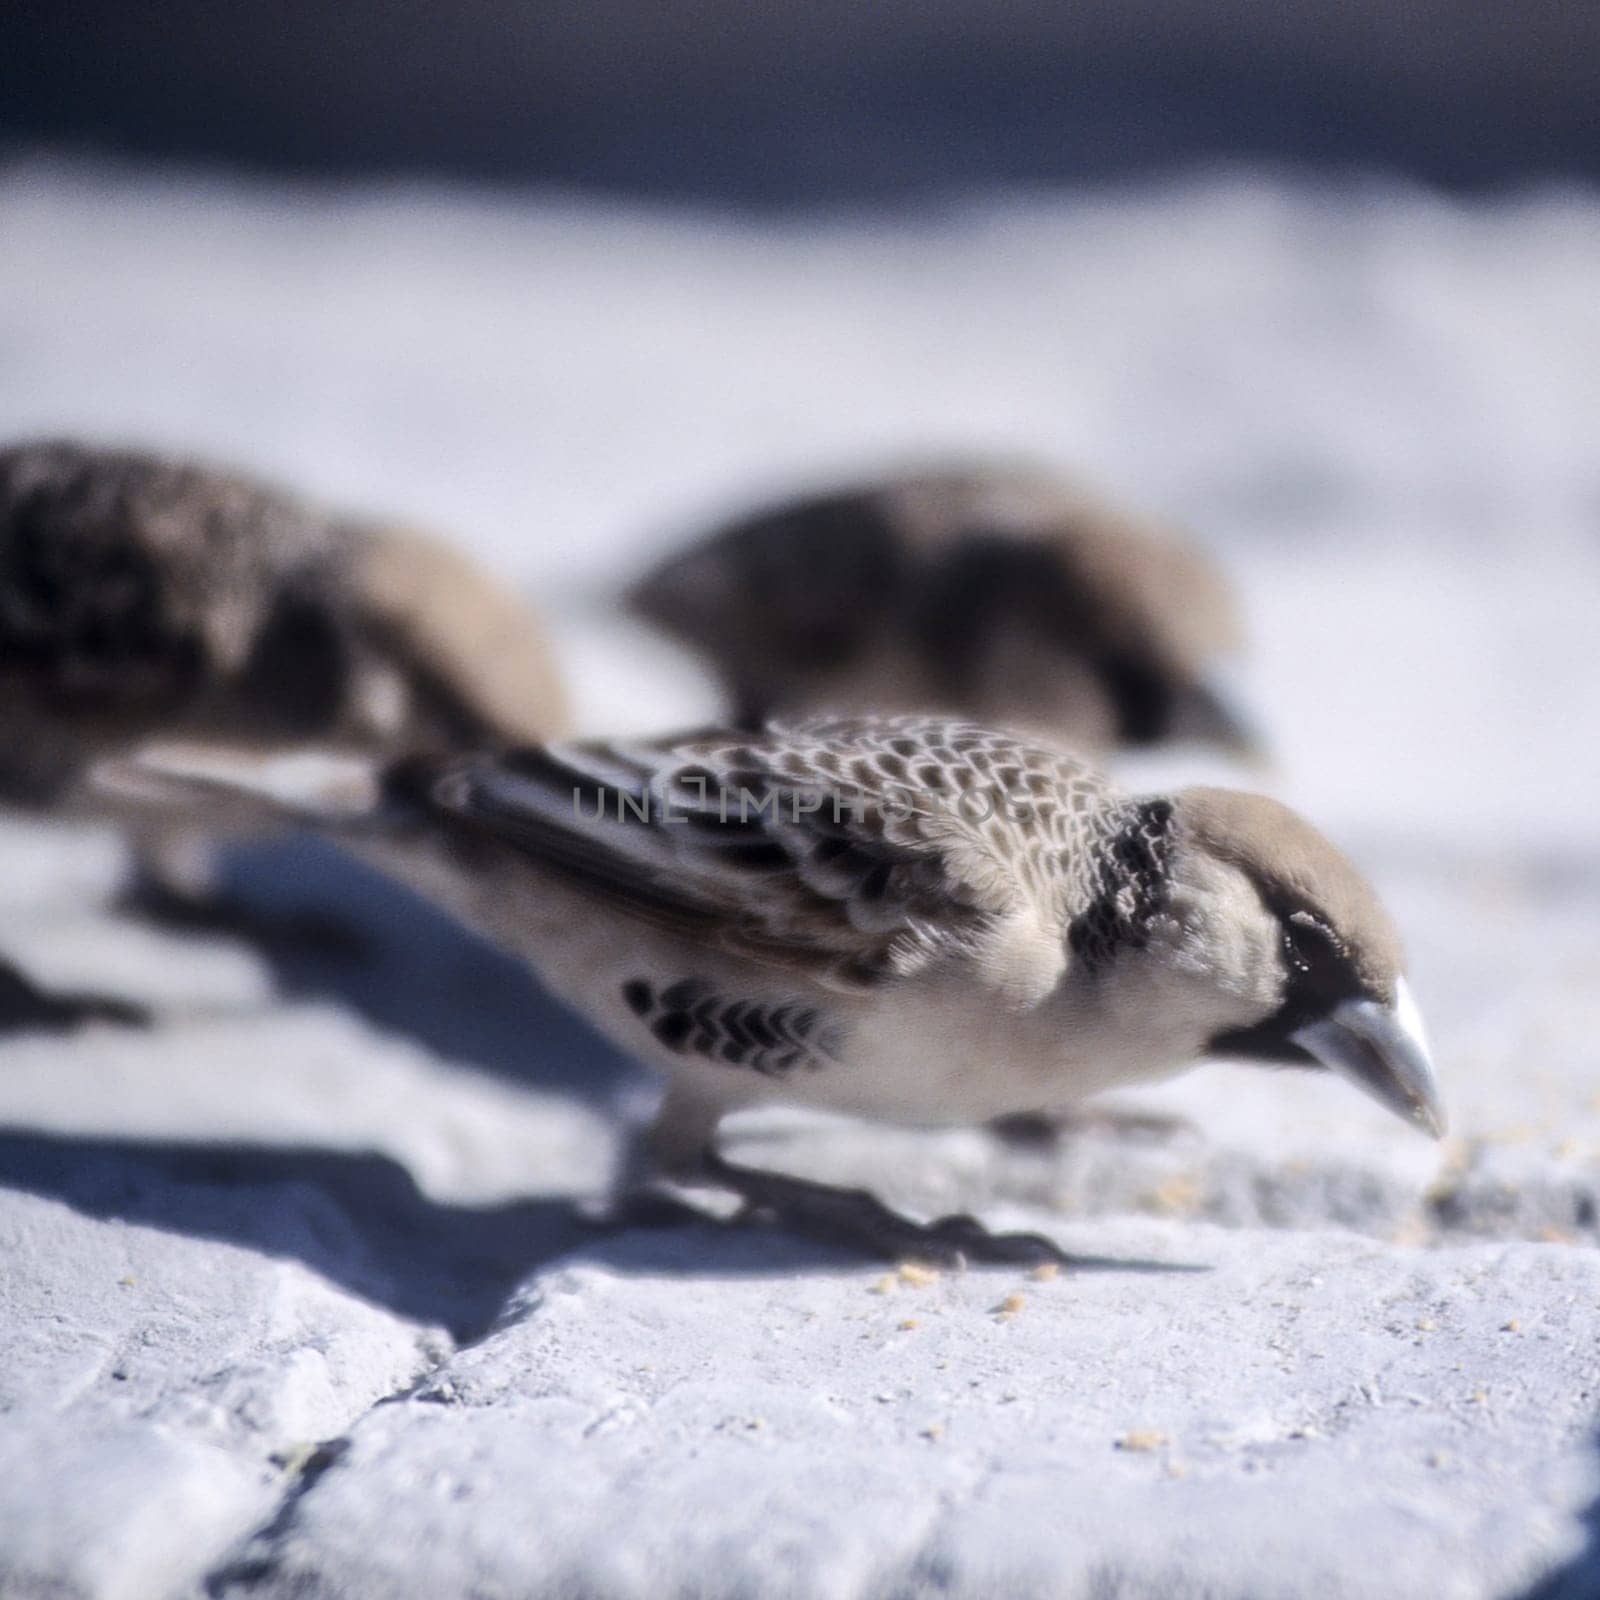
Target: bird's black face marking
(690, 1018)
(1321, 972)
(1321, 975)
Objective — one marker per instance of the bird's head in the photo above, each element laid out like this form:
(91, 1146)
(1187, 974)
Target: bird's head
(1306, 950)
(1157, 622)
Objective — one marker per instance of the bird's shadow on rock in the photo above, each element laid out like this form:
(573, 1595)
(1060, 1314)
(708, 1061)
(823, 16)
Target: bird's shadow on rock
(27, 1007)
(359, 1220)
(334, 928)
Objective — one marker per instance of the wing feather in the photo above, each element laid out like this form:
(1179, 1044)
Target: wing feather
(853, 849)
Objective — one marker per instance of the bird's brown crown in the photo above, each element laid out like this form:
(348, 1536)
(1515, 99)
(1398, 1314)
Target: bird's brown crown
(1298, 873)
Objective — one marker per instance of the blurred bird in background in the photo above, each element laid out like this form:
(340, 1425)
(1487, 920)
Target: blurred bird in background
(144, 598)
(999, 592)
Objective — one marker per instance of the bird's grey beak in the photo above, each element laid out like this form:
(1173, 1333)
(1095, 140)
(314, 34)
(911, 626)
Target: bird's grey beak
(1381, 1049)
(1208, 713)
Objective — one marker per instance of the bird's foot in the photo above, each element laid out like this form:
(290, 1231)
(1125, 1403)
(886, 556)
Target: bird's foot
(857, 1220)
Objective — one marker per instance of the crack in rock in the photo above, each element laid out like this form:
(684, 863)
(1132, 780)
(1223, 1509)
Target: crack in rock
(255, 1559)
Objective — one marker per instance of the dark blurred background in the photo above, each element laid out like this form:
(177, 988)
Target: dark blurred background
(821, 100)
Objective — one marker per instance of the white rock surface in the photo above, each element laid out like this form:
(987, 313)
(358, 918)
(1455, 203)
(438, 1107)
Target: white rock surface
(158, 1391)
(293, 1298)
(732, 1417)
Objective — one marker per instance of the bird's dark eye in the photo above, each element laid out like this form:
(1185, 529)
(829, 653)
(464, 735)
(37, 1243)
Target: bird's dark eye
(1313, 950)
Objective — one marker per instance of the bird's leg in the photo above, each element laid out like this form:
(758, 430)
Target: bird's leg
(857, 1220)
(671, 1167)
(26, 1008)
(664, 1161)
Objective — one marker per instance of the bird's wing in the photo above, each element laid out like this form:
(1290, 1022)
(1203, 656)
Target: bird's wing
(856, 850)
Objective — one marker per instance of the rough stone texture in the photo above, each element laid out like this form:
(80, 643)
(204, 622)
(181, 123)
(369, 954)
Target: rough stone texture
(294, 1298)
(159, 1392)
(794, 1428)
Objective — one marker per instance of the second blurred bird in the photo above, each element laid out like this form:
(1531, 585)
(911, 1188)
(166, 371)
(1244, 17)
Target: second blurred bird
(997, 591)
(146, 599)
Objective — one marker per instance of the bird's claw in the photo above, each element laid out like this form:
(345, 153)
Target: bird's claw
(978, 1243)
(857, 1220)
